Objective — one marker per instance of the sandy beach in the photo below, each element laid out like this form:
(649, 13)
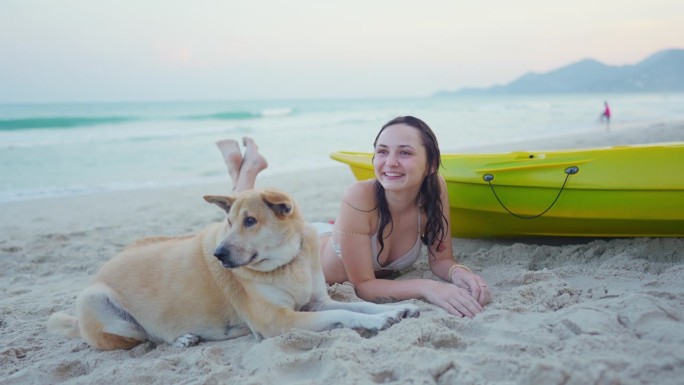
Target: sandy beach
(564, 311)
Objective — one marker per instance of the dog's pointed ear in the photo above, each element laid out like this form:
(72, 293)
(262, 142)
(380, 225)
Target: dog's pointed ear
(221, 201)
(278, 201)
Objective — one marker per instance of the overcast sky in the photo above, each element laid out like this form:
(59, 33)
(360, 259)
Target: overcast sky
(120, 50)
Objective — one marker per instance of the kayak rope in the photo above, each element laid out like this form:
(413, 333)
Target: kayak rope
(568, 171)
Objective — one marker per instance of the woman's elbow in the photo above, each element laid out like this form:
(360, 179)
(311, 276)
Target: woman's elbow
(364, 290)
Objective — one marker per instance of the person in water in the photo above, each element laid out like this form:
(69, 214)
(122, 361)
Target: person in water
(605, 116)
(384, 222)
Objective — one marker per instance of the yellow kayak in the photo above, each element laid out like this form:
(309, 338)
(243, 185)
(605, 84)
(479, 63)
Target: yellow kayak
(621, 191)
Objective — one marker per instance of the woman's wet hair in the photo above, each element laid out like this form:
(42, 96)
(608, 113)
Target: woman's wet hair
(429, 196)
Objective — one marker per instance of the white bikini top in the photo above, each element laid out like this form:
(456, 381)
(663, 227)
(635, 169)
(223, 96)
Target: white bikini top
(405, 261)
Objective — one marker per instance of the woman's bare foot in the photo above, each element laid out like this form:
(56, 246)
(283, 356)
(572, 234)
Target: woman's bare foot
(252, 164)
(230, 149)
(253, 160)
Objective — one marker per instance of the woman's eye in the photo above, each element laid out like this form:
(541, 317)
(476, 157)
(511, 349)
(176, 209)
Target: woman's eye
(249, 221)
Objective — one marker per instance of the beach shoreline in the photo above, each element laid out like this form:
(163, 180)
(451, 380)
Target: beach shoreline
(564, 311)
(613, 135)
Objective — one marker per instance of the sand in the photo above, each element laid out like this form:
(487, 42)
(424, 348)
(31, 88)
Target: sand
(564, 311)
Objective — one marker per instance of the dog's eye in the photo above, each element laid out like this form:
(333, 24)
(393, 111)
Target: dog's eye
(249, 221)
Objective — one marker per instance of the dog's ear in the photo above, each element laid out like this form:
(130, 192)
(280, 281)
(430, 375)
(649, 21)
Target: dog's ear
(221, 201)
(279, 202)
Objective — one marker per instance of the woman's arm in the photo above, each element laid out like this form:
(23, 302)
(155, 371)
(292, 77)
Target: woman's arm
(451, 298)
(352, 231)
(443, 264)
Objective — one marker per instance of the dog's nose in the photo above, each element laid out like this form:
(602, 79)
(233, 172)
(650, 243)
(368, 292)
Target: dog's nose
(223, 255)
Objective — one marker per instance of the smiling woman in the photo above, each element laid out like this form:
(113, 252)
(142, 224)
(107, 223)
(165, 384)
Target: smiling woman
(384, 222)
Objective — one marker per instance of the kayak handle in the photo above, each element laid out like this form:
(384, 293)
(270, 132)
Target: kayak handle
(572, 170)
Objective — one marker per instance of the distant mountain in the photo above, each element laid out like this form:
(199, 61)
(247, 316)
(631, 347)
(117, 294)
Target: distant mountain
(663, 71)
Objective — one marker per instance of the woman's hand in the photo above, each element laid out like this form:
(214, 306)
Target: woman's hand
(454, 299)
(473, 283)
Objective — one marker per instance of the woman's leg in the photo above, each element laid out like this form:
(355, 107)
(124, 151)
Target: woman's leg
(230, 149)
(252, 164)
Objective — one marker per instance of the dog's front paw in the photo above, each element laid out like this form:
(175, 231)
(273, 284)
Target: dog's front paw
(387, 319)
(187, 340)
(397, 313)
(372, 323)
(408, 310)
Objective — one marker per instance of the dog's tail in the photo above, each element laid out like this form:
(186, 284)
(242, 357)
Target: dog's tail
(63, 324)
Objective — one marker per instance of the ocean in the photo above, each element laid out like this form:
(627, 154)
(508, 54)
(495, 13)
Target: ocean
(49, 150)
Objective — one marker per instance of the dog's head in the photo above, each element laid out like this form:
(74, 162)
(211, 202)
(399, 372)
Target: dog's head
(264, 232)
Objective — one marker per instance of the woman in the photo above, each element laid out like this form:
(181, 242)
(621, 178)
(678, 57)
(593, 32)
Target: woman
(406, 203)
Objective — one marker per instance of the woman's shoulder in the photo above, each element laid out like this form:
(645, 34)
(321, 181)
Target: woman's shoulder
(361, 195)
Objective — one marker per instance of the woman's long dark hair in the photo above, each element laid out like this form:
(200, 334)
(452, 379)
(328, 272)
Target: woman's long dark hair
(429, 195)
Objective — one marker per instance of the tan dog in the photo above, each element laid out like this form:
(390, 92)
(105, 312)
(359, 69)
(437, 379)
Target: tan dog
(259, 271)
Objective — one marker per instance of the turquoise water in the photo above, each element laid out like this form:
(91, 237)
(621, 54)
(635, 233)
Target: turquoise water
(56, 150)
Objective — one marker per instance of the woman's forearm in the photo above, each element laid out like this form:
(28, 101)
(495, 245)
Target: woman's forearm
(385, 290)
(442, 267)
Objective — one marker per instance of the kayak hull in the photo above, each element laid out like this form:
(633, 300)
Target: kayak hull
(622, 191)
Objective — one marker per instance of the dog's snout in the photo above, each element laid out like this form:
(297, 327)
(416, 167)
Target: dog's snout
(223, 255)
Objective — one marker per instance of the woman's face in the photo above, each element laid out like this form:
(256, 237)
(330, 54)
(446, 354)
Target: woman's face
(400, 159)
